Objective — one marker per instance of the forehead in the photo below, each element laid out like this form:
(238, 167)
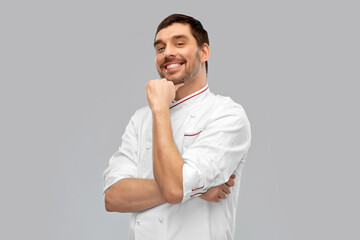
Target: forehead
(174, 29)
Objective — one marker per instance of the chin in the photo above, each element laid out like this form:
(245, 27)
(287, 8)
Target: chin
(172, 77)
(175, 81)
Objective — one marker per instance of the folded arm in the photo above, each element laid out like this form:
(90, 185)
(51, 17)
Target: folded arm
(136, 194)
(133, 195)
(124, 191)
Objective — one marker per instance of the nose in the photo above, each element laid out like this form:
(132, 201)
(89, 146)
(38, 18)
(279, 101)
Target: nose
(169, 51)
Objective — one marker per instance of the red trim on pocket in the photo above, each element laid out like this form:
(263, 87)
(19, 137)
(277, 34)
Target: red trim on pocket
(189, 135)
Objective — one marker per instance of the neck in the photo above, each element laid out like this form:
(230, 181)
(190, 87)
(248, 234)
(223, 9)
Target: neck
(191, 86)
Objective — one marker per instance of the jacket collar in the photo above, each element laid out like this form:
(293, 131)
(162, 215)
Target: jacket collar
(190, 99)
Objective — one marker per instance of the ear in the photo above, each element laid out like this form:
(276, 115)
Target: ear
(205, 53)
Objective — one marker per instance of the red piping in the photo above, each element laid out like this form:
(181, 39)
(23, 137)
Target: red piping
(189, 135)
(189, 98)
(197, 188)
(197, 194)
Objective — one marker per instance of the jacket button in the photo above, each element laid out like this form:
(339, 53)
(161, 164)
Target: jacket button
(138, 221)
(161, 220)
(148, 147)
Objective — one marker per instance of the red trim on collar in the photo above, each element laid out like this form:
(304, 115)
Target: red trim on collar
(189, 98)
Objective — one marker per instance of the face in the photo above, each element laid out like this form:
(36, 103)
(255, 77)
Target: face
(177, 53)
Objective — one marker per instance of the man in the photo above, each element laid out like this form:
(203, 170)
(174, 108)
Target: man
(180, 155)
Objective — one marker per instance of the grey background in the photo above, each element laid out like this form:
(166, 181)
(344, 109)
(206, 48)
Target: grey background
(73, 72)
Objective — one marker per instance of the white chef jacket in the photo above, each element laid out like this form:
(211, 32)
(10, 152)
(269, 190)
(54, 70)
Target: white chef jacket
(212, 134)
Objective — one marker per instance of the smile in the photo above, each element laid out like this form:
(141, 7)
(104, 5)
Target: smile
(171, 67)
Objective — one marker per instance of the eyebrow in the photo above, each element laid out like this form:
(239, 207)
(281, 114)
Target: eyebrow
(173, 37)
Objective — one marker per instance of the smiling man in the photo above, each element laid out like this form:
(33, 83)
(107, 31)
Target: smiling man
(179, 155)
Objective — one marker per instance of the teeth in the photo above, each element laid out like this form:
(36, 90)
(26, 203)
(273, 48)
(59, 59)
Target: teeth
(172, 66)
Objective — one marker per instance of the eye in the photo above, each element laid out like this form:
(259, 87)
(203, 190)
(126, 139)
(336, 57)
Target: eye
(160, 49)
(179, 44)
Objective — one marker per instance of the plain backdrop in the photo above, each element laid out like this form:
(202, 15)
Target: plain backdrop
(73, 72)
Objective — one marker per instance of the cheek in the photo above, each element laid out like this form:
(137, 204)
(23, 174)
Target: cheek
(158, 61)
(183, 53)
(189, 54)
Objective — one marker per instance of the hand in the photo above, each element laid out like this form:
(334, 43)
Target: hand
(214, 194)
(161, 92)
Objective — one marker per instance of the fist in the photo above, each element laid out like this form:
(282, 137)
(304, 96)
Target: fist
(161, 92)
(214, 194)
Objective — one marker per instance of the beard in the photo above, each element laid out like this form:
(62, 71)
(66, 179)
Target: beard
(191, 71)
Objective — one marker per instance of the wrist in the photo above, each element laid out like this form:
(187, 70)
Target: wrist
(158, 109)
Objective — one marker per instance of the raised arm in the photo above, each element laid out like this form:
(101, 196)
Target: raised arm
(167, 161)
(209, 162)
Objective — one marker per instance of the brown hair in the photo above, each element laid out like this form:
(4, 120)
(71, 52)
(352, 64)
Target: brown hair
(197, 30)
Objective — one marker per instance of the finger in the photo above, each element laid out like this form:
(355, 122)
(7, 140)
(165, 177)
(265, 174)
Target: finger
(225, 189)
(232, 176)
(222, 195)
(230, 183)
(177, 86)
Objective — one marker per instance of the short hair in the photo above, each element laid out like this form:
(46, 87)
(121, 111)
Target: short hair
(197, 30)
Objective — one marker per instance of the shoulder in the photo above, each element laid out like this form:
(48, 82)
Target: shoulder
(225, 106)
(140, 115)
(231, 117)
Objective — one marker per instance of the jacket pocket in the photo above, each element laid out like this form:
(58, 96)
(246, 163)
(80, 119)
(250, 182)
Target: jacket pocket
(189, 138)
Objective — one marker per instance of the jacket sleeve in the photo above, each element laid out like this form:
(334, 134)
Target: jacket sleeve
(124, 163)
(216, 152)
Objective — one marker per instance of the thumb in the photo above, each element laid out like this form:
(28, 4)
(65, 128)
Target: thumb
(179, 85)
